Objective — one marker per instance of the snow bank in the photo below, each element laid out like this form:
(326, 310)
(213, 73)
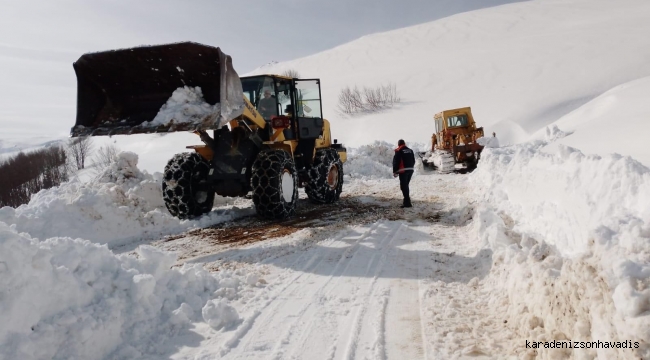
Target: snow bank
(374, 161)
(122, 205)
(574, 234)
(65, 298)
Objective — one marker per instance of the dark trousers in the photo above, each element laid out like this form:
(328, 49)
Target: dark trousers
(404, 180)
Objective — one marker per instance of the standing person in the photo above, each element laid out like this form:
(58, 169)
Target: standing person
(494, 141)
(403, 162)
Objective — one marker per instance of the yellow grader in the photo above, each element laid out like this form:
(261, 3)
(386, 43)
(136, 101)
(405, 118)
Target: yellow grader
(268, 134)
(454, 142)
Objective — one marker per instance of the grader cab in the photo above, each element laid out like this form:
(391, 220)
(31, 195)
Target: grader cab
(454, 142)
(268, 133)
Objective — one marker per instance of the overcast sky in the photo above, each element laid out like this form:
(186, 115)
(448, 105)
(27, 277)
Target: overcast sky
(39, 40)
(254, 32)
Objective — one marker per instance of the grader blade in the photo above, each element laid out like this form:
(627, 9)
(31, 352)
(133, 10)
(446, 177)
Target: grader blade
(123, 91)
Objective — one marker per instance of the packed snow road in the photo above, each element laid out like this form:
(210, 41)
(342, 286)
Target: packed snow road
(362, 280)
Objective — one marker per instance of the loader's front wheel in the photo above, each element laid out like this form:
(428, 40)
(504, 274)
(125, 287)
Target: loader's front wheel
(275, 184)
(185, 191)
(325, 177)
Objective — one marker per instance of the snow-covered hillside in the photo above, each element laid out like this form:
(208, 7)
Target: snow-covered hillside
(520, 67)
(547, 241)
(612, 123)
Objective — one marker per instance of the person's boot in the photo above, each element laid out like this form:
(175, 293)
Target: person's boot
(407, 203)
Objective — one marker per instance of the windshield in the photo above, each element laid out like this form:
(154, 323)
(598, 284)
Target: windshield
(260, 92)
(457, 120)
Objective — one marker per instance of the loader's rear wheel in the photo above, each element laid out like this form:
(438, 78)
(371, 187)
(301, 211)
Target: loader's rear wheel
(185, 191)
(275, 184)
(325, 177)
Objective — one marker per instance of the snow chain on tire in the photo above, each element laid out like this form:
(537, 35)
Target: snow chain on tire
(275, 184)
(325, 177)
(182, 192)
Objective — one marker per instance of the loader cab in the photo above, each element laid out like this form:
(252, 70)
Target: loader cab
(269, 94)
(272, 95)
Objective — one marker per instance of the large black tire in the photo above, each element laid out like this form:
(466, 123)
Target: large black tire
(325, 177)
(274, 182)
(183, 192)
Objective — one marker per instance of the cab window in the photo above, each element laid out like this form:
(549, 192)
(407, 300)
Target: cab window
(457, 120)
(438, 125)
(308, 103)
(284, 96)
(260, 92)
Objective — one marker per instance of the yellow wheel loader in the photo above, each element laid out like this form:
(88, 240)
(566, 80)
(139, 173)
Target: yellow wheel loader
(454, 142)
(268, 136)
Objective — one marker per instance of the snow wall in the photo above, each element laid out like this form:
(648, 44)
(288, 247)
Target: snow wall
(574, 233)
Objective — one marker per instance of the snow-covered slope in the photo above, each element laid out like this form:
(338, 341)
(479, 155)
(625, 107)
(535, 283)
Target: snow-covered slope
(520, 67)
(615, 122)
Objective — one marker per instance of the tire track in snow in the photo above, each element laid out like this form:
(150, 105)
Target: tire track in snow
(320, 295)
(354, 339)
(379, 348)
(305, 333)
(460, 323)
(248, 323)
(269, 315)
(404, 338)
(421, 309)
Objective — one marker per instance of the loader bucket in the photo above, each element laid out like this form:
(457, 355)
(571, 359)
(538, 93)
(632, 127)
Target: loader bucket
(123, 91)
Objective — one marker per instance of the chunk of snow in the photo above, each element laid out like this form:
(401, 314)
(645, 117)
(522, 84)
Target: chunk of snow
(219, 314)
(186, 105)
